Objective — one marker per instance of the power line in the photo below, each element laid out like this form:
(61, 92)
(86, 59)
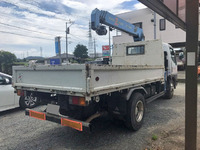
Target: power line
(77, 37)
(37, 31)
(26, 29)
(36, 26)
(25, 35)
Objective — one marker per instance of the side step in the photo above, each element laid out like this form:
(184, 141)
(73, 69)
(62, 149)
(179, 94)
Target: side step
(155, 97)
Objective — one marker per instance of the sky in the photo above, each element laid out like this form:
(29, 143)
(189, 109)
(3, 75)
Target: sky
(28, 28)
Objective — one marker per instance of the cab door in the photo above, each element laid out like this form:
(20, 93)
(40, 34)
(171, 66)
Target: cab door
(173, 62)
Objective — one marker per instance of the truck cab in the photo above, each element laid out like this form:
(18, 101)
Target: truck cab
(170, 63)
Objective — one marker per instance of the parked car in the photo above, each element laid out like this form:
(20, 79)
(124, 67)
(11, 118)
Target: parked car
(8, 98)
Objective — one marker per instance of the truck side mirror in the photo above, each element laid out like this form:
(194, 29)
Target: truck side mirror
(181, 56)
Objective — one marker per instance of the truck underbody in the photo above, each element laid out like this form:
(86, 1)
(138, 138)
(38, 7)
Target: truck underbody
(114, 104)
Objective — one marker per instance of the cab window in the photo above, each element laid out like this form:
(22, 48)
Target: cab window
(173, 55)
(3, 78)
(135, 50)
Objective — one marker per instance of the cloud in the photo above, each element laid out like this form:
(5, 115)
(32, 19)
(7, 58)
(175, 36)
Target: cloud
(139, 6)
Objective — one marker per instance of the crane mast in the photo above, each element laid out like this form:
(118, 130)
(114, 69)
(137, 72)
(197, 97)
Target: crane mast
(103, 17)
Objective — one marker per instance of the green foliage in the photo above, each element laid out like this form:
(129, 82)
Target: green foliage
(154, 137)
(7, 59)
(81, 51)
(20, 63)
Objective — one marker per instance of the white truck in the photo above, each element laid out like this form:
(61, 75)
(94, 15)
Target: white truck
(139, 73)
(76, 94)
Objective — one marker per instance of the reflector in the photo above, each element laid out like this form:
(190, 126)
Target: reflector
(73, 124)
(37, 115)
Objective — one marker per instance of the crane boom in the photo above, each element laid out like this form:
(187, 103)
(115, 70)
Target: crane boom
(103, 17)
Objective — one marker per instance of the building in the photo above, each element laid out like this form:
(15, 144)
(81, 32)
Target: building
(34, 58)
(144, 18)
(63, 58)
(93, 55)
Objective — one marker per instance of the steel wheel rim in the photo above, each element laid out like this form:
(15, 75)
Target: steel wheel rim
(139, 111)
(30, 100)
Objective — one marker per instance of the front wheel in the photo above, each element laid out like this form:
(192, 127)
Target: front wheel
(28, 101)
(136, 111)
(170, 90)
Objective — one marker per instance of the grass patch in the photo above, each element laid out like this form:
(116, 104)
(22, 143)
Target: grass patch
(154, 137)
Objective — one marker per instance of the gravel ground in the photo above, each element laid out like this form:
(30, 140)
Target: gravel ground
(172, 135)
(20, 132)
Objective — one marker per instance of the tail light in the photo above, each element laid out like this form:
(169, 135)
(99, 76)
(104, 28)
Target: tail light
(75, 100)
(20, 93)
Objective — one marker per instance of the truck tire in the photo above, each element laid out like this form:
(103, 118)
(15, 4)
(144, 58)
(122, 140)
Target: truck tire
(135, 112)
(170, 90)
(28, 102)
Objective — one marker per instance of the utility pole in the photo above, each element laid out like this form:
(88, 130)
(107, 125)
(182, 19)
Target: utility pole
(94, 48)
(110, 29)
(41, 51)
(154, 23)
(67, 32)
(109, 37)
(90, 43)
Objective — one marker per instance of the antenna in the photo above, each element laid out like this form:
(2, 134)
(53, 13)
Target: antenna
(41, 51)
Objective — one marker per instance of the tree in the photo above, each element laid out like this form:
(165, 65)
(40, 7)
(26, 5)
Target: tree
(81, 51)
(6, 61)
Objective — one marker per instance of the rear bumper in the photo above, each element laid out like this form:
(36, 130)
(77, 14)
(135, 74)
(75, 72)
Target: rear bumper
(63, 120)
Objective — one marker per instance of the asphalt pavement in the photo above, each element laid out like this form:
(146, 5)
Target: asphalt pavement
(21, 132)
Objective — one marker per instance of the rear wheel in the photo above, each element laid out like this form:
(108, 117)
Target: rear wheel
(136, 111)
(28, 101)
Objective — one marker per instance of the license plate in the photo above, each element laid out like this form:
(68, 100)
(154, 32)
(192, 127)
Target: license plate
(53, 109)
